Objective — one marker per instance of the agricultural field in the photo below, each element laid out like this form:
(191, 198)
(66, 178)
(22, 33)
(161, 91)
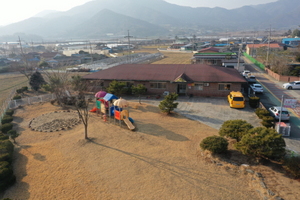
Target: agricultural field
(9, 82)
(170, 57)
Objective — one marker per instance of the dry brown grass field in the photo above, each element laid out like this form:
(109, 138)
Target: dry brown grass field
(8, 82)
(170, 57)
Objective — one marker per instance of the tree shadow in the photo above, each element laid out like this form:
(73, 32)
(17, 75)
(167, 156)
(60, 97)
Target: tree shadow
(159, 131)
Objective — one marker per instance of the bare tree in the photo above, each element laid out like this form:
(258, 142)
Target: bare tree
(59, 84)
(82, 102)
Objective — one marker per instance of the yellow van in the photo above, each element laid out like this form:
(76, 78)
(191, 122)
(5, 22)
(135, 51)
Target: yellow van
(236, 100)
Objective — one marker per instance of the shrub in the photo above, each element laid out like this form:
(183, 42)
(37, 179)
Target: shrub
(254, 102)
(215, 144)
(262, 142)
(16, 97)
(6, 175)
(167, 105)
(6, 149)
(235, 129)
(292, 165)
(24, 88)
(19, 91)
(6, 127)
(260, 112)
(3, 137)
(6, 119)
(9, 112)
(13, 134)
(268, 121)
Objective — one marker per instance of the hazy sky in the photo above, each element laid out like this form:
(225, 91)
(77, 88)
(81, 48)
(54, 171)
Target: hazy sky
(17, 10)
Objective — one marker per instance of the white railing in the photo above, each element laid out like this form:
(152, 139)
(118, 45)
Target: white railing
(30, 100)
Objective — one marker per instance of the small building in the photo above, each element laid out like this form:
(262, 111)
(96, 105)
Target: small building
(251, 49)
(291, 42)
(239, 65)
(196, 79)
(212, 58)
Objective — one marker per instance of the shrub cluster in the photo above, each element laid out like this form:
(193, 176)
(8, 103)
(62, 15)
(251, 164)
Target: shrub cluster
(215, 144)
(22, 90)
(16, 97)
(6, 173)
(6, 127)
(6, 119)
(235, 129)
(264, 115)
(9, 112)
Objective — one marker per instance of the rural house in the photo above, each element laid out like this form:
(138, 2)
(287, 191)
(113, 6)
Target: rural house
(196, 79)
(251, 49)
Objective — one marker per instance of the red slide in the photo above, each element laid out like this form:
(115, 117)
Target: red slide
(94, 109)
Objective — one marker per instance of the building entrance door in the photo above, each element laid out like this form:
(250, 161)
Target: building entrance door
(181, 89)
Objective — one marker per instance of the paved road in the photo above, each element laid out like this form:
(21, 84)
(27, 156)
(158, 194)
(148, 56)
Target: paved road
(272, 96)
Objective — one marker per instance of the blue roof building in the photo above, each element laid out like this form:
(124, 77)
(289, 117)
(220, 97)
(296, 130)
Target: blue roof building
(292, 42)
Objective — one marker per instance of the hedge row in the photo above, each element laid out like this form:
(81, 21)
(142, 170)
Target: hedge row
(6, 152)
(6, 172)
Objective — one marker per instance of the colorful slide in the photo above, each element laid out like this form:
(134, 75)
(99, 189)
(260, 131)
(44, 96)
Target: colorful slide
(93, 110)
(125, 117)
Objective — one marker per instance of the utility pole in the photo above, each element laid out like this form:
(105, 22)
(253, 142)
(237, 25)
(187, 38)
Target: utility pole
(128, 37)
(268, 51)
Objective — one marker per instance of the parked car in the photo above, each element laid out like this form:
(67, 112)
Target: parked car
(245, 73)
(257, 88)
(275, 112)
(251, 79)
(236, 100)
(292, 85)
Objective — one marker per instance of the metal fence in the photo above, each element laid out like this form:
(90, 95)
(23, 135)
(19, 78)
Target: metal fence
(30, 100)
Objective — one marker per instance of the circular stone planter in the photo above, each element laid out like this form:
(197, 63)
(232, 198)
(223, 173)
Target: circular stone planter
(54, 121)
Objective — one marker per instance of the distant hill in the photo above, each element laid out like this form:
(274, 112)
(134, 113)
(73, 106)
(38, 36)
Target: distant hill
(154, 18)
(45, 12)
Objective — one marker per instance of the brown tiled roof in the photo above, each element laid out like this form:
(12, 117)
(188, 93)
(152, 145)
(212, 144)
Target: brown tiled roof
(168, 72)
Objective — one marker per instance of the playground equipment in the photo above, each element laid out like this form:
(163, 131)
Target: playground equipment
(116, 110)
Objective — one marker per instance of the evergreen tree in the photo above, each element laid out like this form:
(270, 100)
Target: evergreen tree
(36, 81)
(167, 105)
(262, 142)
(235, 129)
(139, 90)
(117, 88)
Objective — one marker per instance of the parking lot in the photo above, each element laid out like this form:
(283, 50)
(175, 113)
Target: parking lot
(211, 111)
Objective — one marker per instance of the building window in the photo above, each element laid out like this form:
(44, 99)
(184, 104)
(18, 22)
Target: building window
(158, 85)
(199, 86)
(224, 86)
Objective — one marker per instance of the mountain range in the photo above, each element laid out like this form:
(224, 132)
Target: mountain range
(153, 18)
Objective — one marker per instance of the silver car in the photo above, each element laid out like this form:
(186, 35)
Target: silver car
(292, 85)
(275, 112)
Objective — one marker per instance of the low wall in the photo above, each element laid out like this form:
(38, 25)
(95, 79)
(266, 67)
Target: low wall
(280, 77)
(271, 73)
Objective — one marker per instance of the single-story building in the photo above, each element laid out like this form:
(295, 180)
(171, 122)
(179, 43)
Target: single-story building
(251, 49)
(291, 42)
(212, 58)
(183, 79)
(234, 63)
